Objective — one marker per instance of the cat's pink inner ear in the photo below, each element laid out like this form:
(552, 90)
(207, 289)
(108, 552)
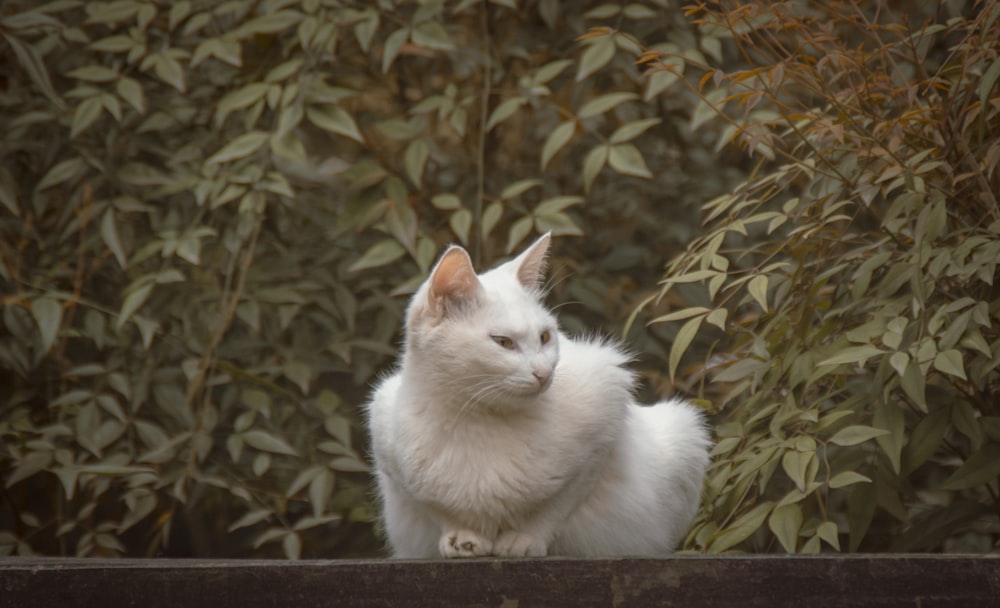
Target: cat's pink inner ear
(453, 278)
(531, 263)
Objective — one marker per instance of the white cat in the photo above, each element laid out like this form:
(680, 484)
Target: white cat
(498, 435)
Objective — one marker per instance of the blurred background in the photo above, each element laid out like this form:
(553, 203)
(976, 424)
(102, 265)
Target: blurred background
(212, 214)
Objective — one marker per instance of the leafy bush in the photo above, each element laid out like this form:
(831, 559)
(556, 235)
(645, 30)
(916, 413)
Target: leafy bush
(209, 212)
(848, 319)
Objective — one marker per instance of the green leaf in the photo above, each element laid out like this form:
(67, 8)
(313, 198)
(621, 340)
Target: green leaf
(415, 159)
(109, 232)
(556, 140)
(630, 131)
(829, 533)
(299, 374)
(889, 417)
(365, 28)
(178, 13)
(392, 45)
(303, 479)
(262, 440)
(461, 222)
(61, 172)
(861, 505)
(34, 65)
(320, 490)
(86, 113)
(660, 80)
(692, 277)
(718, 318)
(130, 90)
(785, 522)
(925, 439)
(491, 215)
(504, 111)
(132, 302)
(950, 362)
(272, 23)
(348, 465)
(853, 354)
(595, 57)
(94, 73)
(847, 478)
(988, 81)
(758, 290)
(550, 70)
(446, 201)
(708, 108)
(964, 417)
(796, 466)
(743, 528)
(518, 230)
(292, 545)
(432, 35)
(557, 223)
(627, 160)
(379, 254)
(593, 164)
(48, 315)
(557, 204)
(684, 313)
(602, 11)
(602, 104)
(681, 342)
(855, 434)
(170, 71)
(981, 468)
(253, 517)
(335, 120)
(241, 98)
(915, 384)
(8, 192)
(241, 147)
(899, 361)
(519, 187)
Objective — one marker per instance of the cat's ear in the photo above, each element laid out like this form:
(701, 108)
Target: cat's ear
(453, 280)
(530, 265)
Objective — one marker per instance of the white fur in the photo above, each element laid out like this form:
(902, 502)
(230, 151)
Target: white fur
(537, 450)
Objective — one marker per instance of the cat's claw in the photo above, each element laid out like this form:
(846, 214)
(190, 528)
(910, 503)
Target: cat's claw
(464, 543)
(518, 544)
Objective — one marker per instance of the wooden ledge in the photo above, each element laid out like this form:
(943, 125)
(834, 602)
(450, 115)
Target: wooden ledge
(857, 581)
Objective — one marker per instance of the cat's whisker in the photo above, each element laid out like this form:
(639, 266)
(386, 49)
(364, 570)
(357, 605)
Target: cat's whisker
(566, 303)
(551, 283)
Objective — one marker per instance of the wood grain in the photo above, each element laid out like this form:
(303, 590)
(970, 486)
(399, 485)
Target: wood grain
(696, 582)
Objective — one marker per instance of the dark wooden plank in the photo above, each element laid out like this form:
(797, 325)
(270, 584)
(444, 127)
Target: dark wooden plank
(745, 581)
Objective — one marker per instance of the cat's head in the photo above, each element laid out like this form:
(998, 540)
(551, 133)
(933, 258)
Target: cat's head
(487, 335)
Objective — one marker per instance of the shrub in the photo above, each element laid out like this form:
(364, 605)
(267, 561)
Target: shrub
(847, 320)
(209, 213)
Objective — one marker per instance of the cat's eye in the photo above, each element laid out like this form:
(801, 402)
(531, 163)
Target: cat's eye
(545, 337)
(504, 341)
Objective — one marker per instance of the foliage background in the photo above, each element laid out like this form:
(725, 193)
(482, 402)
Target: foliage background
(211, 213)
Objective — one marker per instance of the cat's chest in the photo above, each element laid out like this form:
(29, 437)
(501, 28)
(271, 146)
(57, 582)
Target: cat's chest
(495, 467)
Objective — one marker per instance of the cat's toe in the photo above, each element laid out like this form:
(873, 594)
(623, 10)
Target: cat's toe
(464, 543)
(518, 544)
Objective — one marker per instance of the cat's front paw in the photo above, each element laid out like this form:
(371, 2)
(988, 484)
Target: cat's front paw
(519, 544)
(464, 543)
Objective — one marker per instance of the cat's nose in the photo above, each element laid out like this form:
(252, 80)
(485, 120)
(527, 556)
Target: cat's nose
(542, 375)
